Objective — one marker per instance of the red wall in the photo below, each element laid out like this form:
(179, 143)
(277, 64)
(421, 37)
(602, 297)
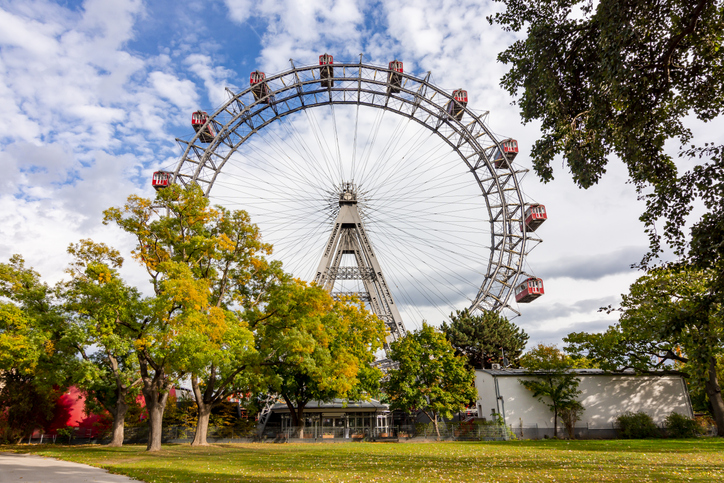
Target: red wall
(70, 411)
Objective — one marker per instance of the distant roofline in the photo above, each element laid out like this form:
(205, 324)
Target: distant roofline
(373, 405)
(581, 372)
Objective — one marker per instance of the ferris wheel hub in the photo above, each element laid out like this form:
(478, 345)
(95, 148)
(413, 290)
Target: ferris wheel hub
(348, 196)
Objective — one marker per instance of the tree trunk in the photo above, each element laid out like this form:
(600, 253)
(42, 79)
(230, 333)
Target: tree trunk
(119, 420)
(299, 433)
(121, 407)
(433, 418)
(155, 392)
(713, 390)
(555, 422)
(202, 426)
(204, 411)
(297, 416)
(437, 428)
(155, 422)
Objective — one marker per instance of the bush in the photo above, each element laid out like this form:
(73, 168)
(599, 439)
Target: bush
(66, 433)
(637, 426)
(680, 426)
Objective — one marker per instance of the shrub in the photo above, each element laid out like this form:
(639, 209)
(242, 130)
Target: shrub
(637, 426)
(66, 433)
(570, 414)
(680, 426)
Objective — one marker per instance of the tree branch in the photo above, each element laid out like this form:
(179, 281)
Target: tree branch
(676, 40)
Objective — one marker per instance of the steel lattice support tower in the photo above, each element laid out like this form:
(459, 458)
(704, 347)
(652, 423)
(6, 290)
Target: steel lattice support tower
(348, 237)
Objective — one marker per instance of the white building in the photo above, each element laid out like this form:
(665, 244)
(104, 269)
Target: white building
(604, 397)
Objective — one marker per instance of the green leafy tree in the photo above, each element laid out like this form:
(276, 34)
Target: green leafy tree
(238, 277)
(34, 363)
(484, 339)
(25, 405)
(553, 382)
(429, 377)
(202, 262)
(668, 323)
(103, 317)
(314, 348)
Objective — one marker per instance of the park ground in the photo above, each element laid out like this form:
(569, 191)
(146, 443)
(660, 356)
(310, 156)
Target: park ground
(459, 462)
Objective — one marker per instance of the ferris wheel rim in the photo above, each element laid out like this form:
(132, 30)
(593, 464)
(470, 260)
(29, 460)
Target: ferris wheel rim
(507, 246)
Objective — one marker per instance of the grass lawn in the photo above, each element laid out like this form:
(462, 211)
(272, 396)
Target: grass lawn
(622, 460)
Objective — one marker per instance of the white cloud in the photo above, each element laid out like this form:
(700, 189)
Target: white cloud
(182, 93)
(215, 77)
(85, 118)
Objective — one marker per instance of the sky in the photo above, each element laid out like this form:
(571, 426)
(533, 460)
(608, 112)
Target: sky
(95, 93)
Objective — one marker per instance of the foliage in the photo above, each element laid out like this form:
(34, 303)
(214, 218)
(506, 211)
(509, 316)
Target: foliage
(205, 264)
(485, 338)
(35, 364)
(429, 376)
(31, 325)
(570, 414)
(66, 433)
(25, 405)
(697, 391)
(316, 348)
(103, 314)
(661, 315)
(680, 426)
(613, 78)
(668, 322)
(506, 461)
(553, 382)
(636, 426)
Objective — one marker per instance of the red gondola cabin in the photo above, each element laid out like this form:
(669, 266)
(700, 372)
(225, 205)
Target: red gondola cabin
(529, 290)
(510, 150)
(394, 77)
(259, 88)
(326, 71)
(161, 179)
(456, 108)
(198, 119)
(535, 215)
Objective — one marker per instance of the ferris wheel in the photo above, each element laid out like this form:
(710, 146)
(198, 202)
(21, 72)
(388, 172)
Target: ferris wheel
(396, 185)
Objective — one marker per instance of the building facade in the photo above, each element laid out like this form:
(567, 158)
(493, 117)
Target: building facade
(604, 397)
(336, 419)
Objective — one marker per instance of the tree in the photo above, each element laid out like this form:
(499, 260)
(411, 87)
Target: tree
(314, 348)
(485, 339)
(198, 259)
(553, 383)
(668, 317)
(429, 376)
(34, 363)
(619, 78)
(236, 277)
(25, 405)
(103, 315)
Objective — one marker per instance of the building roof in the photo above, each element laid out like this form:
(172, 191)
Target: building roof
(581, 372)
(343, 404)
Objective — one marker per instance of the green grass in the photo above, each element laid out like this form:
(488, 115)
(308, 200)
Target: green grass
(459, 462)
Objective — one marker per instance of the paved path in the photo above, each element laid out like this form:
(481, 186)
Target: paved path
(36, 469)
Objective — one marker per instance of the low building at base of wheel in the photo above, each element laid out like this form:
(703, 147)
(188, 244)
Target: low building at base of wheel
(337, 419)
(604, 396)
